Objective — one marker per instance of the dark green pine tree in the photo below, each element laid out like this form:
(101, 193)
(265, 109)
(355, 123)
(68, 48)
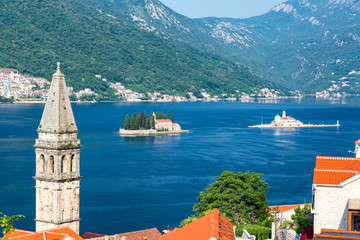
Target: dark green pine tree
(147, 124)
(151, 120)
(157, 115)
(133, 123)
(143, 119)
(172, 117)
(127, 122)
(168, 115)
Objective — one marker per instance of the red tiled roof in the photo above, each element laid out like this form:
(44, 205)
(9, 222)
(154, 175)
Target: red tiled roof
(337, 234)
(357, 141)
(284, 208)
(287, 118)
(89, 235)
(50, 234)
(163, 120)
(211, 225)
(148, 234)
(335, 170)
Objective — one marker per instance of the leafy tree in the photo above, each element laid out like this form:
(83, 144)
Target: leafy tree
(73, 97)
(300, 217)
(6, 222)
(127, 122)
(133, 123)
(240, 197)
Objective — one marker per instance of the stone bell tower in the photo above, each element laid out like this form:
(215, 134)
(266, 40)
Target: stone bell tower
(57, 161)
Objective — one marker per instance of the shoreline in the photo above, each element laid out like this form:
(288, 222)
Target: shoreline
(302, 126)
(150, 132)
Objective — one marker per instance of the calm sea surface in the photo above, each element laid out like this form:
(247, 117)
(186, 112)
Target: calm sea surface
(134, 183)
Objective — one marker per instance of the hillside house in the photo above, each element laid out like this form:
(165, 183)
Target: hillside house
(283, 214)
(336, 195)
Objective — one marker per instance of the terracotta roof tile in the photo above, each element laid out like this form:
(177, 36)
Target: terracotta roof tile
(148, 234)
(335, 170)
(211, 225)
(163, 120)
(50, 234)
(89, 235)
(284, 208)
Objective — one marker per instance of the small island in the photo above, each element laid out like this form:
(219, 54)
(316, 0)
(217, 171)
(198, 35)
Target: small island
(141, 125)
(290, 122)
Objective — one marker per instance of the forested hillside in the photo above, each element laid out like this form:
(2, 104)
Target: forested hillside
(37, 34)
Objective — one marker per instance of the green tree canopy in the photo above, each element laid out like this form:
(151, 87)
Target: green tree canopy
(127, 122)
(6, 222)
(241, 197)
(133, 123)
(300, 217)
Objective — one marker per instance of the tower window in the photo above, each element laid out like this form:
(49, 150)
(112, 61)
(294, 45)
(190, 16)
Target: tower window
(52, 165)
(62, 163)
(71, 162)
(42, 160)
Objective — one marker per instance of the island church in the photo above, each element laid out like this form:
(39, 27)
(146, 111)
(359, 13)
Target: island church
(57, 161)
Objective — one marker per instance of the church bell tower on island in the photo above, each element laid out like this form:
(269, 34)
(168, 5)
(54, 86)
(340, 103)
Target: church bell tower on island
(57, 161)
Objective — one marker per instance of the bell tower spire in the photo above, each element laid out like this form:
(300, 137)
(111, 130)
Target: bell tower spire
(57, 161)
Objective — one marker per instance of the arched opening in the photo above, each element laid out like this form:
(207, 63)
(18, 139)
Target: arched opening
(62, 163)
(71, 162)
(52, 165)
(42, 162)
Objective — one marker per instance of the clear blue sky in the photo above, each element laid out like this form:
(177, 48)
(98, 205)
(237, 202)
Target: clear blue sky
(221, 8)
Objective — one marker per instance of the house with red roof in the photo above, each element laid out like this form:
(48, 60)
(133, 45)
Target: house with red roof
(282, 213)
(166, 125)
(61, 233)
(212, 226)
(336, 193)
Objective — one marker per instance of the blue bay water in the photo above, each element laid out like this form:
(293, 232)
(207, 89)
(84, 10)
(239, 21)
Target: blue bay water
(134, 183)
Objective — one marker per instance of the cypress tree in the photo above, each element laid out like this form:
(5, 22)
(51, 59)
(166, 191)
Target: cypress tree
(147, 124)
(133, 123)
(157, 115)
(168, 115)
(152, 122)
(143, 119)
(127, 122)
(172, 117)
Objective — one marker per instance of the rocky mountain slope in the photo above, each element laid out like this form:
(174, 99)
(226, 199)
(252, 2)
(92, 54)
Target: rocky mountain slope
(302, 44)
(89, 40)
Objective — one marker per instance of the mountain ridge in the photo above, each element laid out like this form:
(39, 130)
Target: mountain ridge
(90, 41)
(297, 43)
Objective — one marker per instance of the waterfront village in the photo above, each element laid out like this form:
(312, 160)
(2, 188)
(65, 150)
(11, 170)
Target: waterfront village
(333, 214)
(18, 87)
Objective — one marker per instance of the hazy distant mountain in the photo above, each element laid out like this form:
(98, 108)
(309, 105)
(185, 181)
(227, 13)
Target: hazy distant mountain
(305, 44)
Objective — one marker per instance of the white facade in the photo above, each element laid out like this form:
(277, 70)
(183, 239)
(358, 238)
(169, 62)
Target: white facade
(330, 204)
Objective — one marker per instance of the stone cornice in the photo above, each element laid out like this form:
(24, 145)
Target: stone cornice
(58, 180)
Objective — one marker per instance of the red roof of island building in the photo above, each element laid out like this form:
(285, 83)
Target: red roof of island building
(335, 170)
(211, 225)
(357, 141)
(163, 120)
(50, 234)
